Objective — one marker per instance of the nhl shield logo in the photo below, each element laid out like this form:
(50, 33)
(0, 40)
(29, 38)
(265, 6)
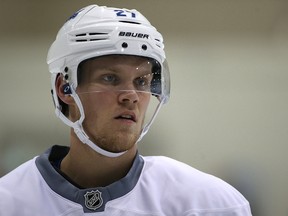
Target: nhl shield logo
(93, 200)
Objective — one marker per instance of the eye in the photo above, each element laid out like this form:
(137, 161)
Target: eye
(109, 78)
(143, 83)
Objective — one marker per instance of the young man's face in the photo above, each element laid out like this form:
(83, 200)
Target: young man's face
(114, 91)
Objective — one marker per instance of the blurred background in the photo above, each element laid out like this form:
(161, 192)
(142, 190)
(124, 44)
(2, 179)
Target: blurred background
(228, 113)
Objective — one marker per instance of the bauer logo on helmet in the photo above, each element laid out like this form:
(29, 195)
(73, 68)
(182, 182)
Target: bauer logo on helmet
(133, 34)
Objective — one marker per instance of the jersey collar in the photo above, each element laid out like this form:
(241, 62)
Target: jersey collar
(91, 199)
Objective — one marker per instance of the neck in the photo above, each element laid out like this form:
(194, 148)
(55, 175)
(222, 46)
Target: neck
(88, 168)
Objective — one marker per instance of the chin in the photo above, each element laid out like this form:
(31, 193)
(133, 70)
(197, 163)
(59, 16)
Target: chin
(117, 143)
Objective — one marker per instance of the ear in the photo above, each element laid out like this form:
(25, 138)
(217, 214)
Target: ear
(61, 89)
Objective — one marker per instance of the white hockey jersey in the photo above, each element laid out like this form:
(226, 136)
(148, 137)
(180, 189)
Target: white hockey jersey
(154, 186)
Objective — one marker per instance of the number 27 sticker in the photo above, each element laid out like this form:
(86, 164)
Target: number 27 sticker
(124, 13)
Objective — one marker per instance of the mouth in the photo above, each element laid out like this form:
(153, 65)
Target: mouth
(127, 117)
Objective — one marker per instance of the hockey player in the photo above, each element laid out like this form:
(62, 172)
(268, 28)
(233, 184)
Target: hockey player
(109, 71)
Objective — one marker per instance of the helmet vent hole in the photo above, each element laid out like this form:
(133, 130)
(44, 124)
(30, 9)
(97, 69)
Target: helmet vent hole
(81, 35)
(97, 33)
(124, 45)
(91, 36)
(144, 47)
(131, 22)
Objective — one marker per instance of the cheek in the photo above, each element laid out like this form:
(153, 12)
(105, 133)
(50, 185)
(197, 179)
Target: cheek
(96, 109)
(145, 103)
(94, 103)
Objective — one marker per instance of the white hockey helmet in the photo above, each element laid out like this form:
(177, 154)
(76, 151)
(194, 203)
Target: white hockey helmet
(96, 31)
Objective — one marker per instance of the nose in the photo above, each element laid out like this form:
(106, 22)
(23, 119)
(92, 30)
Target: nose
(128, 97)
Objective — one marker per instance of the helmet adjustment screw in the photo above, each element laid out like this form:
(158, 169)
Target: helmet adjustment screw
(66, 76)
